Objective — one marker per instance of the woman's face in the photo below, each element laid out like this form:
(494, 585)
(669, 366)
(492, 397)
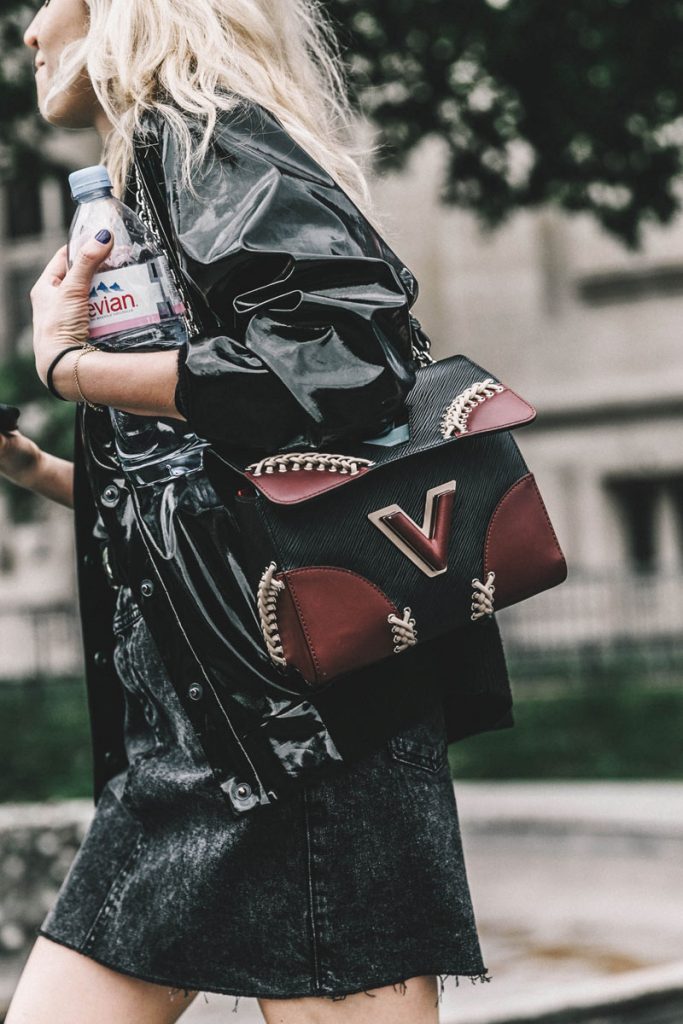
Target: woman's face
(57, 23)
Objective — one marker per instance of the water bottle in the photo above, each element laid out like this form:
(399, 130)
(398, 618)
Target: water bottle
(134, 303)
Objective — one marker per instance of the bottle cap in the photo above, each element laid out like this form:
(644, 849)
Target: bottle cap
(89, 178)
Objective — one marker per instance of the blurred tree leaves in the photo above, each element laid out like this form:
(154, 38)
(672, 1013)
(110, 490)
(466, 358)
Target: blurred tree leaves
(577, 103)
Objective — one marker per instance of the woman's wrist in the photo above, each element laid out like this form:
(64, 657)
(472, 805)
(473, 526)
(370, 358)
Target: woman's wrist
(63, 376)
(141, 382)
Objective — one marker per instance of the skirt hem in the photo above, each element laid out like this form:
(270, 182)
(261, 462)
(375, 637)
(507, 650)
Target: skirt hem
(474, 976)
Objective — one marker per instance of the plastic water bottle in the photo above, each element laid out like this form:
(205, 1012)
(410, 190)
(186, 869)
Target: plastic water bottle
(133, 304)
(134, 301)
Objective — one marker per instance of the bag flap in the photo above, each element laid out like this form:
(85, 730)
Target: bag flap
(452, 400)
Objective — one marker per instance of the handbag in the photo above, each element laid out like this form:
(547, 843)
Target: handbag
(360, 554)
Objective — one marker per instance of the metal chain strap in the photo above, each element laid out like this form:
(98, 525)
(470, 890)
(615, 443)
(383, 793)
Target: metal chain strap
(422, 356)
(147, 217)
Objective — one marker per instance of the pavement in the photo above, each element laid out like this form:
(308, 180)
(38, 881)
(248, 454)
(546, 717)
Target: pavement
(577, 889)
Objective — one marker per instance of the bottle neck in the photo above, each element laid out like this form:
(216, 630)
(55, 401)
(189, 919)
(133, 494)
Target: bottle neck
(100, 192)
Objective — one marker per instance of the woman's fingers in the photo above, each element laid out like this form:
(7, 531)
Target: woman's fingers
(53, 273)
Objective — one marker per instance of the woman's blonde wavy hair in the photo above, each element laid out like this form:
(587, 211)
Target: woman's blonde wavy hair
(198, 56)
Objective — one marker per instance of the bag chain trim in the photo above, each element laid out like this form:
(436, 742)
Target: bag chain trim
(482, 597)
(455, 417)
(403, 629)
(308, 460)
(266, 601)
(147, 217)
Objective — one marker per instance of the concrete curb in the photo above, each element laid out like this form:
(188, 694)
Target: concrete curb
(651, 994)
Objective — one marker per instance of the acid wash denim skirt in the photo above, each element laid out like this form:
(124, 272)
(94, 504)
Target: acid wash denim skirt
(354, 883)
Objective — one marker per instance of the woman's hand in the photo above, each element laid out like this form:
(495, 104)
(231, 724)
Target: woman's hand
(25, 464)
(19, 457)
(60, 301)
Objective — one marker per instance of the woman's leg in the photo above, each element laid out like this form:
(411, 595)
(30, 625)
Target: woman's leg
(60, 986)
(414, 1002)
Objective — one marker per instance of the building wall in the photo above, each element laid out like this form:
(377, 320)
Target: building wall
(588, 332)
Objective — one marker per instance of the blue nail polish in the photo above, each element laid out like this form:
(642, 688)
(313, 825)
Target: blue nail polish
(103, 236)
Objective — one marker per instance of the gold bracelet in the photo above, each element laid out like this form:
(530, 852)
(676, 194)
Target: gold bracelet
(87, 347)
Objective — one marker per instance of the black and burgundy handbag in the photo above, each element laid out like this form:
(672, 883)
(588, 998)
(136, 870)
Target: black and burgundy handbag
(362, 553)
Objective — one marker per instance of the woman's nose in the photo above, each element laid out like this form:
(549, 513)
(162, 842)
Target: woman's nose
(30, 37)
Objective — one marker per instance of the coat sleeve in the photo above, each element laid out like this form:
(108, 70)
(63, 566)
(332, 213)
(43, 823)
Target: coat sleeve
(312, 336)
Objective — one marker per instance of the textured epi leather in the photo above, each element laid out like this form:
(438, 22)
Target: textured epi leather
(330, 528)
(435, 388)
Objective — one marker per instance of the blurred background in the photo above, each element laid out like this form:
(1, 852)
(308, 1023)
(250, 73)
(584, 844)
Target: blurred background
(529, 171)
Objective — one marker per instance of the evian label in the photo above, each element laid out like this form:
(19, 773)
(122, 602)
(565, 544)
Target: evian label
(130, 297)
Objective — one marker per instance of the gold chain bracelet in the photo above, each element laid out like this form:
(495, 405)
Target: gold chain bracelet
(87, 347)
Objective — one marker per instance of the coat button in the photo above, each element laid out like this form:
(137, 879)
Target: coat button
(100, 658)
(110, 495)
(147, 588)
(196, 691)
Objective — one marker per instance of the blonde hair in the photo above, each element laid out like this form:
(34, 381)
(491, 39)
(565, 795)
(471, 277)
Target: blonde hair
(194, 57)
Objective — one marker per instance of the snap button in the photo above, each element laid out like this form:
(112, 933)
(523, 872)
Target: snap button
(242, 790)
(110, 495)
(196, 691)
(100, 658)
(147, 588)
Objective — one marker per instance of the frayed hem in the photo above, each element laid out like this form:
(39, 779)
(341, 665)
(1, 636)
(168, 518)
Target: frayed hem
(403, 985)
(186, 991)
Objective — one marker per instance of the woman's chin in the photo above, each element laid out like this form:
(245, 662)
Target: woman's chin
(62, 115)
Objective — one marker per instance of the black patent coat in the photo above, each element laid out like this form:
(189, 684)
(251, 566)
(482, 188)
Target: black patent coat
(304, 338)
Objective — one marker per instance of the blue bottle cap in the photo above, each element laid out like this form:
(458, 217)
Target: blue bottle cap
(89, 178)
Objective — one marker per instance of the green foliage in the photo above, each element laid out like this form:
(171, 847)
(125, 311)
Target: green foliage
(619, 732)
(45, 740)
(577, 103)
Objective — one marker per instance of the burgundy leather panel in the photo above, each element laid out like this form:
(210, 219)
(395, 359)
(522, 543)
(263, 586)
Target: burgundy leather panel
(503, 410)
(521, 547)
(294, 643)
(298, 485)
(433, 549)
(341, 621)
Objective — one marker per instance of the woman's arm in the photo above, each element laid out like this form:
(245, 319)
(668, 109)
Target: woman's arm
(137, 382)
(27, 465)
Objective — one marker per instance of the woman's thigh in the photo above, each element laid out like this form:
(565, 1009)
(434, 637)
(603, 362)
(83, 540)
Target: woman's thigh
(413, 1002)
(60, 986)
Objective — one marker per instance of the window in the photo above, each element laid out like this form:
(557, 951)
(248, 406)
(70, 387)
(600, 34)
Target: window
(23, 208)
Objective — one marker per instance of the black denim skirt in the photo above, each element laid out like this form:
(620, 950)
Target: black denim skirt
(356, 882)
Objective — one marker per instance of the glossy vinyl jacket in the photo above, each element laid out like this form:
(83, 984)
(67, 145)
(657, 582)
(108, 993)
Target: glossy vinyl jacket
(304, 339)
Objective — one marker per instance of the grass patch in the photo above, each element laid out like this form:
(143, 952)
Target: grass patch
(45, 740)
(622, 731)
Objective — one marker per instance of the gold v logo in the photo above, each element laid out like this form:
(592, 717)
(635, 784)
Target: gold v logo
(427, 545)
